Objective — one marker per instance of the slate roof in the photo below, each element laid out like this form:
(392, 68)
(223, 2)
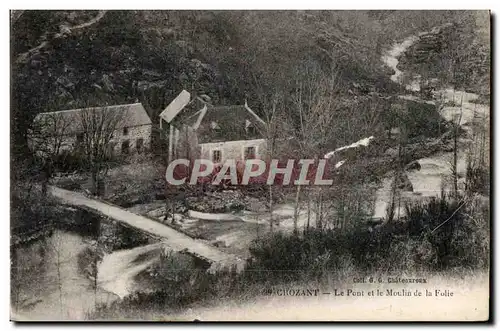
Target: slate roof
(190, 113)
(228, 123)
(130, 115)
(213, 123)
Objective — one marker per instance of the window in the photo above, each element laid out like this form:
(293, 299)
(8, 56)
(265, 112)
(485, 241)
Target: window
(216, 156)
(125, 131)
(215, 128)
(214, 125)
(139, 144)
(250, 128)
(251, 131)
(125, 147)
(249, 152)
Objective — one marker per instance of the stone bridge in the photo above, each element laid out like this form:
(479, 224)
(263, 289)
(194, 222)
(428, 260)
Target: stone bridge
(175, 240)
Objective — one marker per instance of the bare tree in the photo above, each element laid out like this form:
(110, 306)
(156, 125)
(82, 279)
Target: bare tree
(48, 136)
(98, 126)
(271, 134)
(314, 103)
(276, 131)
(454, 165)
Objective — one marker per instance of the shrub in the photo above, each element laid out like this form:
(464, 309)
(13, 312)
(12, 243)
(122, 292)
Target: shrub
(477, 179)
(439, 234)
(458, 238)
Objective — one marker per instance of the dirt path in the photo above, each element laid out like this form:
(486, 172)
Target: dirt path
(64, 29)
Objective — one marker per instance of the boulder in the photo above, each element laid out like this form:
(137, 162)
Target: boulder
(255, 205)
(415, 165)
(107, 83)
(205, 98)
(205, 204)
(393, 152)
(403, 183)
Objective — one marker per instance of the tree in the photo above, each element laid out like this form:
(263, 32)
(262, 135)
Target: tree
(276, 127)
(454, 165)
(48, 136)
(314, 103)
(98, 126)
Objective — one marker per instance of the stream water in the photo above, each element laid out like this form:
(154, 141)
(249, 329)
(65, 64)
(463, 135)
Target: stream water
(435, 170)
(52, 278)
(51, 283)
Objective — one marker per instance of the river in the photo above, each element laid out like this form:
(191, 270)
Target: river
(52, 281)
(435, 171)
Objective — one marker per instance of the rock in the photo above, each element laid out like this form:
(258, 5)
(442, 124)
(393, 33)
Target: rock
(169, 33)
(415, 165)
(151, 74)
(156, 212)
(205, 98)
(65, 81)
(183, 77)
(219, 243)
(224, 202)
(205, 204)
(255, 205)
(395, 131)
(181, 43)
(106, 82)
(393, 152)
(403, 183)
(144, 85)
(196, 62)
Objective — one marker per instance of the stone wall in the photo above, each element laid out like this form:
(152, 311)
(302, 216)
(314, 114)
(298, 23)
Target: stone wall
(133, 135)
(119, 137)
(233, 149)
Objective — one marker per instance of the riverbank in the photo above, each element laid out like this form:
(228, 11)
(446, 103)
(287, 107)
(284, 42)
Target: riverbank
(56, 276)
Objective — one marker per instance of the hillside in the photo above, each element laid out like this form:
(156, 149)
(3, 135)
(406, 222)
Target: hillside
(61, 59)
(459, 55)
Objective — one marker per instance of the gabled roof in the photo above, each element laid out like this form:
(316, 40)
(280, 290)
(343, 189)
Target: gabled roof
(129, 114)
(213, 123)
(226, 123)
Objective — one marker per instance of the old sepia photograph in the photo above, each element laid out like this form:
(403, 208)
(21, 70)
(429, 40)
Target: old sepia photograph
(250, 165)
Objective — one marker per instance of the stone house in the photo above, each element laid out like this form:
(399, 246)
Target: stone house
(197, 129)
(130, 125)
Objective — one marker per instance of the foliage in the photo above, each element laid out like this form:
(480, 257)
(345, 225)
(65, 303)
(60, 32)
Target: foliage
(439, 234)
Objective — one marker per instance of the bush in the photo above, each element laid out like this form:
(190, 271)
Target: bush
(477, 179)
(440, 234)
(457, 229)
(31, 209)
